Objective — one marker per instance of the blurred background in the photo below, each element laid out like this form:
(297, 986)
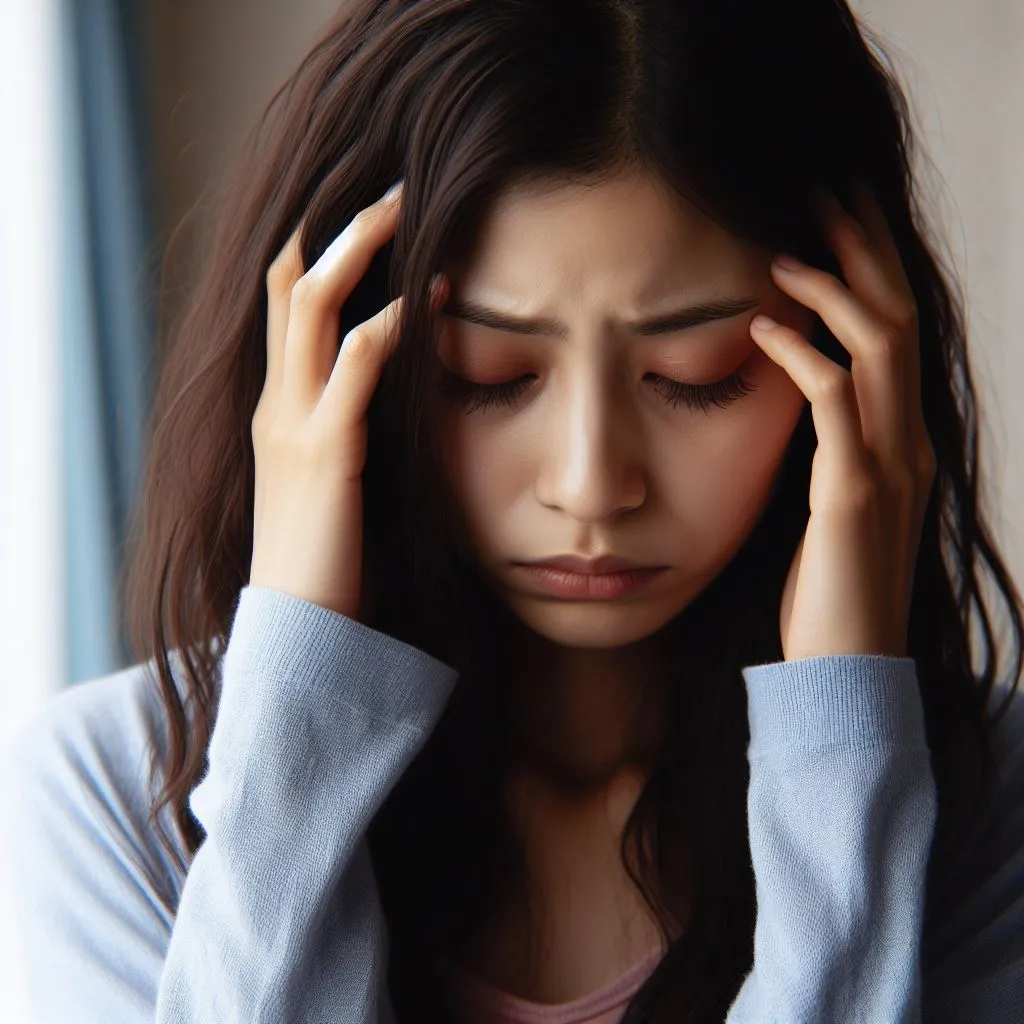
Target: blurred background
(116, 115)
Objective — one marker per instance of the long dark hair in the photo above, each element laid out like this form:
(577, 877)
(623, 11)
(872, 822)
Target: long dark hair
(743, 108)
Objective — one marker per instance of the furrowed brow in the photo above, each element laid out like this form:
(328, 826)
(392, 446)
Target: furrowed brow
(665, 323)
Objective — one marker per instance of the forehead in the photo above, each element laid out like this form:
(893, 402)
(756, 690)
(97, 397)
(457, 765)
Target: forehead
(631, 234)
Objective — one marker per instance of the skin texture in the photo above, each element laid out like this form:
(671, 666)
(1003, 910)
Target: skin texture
(592, 459)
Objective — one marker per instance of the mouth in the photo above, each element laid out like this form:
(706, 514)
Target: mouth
(580, 565)
(587, 586)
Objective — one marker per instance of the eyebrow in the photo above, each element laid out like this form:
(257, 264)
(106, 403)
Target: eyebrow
(665, 323)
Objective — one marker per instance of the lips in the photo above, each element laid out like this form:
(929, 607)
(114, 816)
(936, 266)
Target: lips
(571, 585)
(592, 566)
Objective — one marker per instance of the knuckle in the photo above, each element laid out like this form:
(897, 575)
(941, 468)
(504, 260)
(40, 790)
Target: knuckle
(835, 387)
(835, 290)
(363, 219)
(262, 412)
(258, 425)
(853, 234)
(266, 429)
(278, 279)
(282, 273)
(356, 344)
(860, 493)
(306, 292)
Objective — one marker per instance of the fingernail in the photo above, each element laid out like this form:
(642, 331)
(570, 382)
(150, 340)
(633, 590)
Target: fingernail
(785, 261)
(393, 191)
(762, 322)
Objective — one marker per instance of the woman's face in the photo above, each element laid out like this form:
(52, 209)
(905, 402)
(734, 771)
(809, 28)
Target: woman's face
(591, 457)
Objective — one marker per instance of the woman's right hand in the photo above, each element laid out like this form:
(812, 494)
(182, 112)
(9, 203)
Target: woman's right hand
(309, 428)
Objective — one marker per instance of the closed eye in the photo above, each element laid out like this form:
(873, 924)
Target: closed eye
(472, 395)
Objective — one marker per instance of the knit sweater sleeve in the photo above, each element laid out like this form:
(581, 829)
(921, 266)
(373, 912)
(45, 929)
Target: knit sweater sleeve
(841, 809)
(278, 919)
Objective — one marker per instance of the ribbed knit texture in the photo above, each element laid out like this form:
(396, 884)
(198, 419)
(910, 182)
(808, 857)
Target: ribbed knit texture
(277, 920)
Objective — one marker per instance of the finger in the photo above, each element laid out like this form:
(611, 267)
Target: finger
(364, 351)
(873, 269)
(357, 370)
(872, 265)
(316, 298)
(877, 349)
(876, 225)
(829, 389)
(281, 277)
(872, 216)
(866, 262)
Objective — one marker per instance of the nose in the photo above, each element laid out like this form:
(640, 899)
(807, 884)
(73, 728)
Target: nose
(590, 463)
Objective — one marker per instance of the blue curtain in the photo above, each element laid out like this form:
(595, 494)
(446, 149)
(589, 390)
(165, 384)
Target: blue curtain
(107, 315)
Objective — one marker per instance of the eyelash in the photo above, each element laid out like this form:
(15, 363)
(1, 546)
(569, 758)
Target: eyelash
(696, 396)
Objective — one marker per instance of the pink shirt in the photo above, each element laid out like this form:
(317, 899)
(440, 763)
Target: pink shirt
(480, 1003)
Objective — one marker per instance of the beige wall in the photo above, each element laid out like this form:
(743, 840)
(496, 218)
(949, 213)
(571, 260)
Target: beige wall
(964, 62)
(216, 62)
(213, 66)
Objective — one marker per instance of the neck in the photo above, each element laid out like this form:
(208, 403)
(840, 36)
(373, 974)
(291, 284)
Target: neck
(580, 717)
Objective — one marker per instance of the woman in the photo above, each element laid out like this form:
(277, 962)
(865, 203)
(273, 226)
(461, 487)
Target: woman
(734, 763)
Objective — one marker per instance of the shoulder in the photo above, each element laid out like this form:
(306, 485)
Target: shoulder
(95, 889)
(84, 773)
(973, 958)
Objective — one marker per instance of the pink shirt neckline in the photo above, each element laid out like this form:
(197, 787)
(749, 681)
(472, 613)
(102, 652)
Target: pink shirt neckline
(474, 994)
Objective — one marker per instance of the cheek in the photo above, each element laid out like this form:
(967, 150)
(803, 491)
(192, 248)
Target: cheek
(720, 475)
(487, 467)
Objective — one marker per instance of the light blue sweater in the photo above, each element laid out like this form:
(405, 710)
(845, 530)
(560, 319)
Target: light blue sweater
(278, 920)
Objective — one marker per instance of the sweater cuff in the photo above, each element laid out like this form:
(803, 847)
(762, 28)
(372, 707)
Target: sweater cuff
(848, 699)
(296, 640)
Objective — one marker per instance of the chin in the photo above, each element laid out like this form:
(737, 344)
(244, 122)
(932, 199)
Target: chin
(594, 624)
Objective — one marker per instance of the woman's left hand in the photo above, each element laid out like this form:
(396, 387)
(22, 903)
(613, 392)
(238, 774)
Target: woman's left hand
(849, 588)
